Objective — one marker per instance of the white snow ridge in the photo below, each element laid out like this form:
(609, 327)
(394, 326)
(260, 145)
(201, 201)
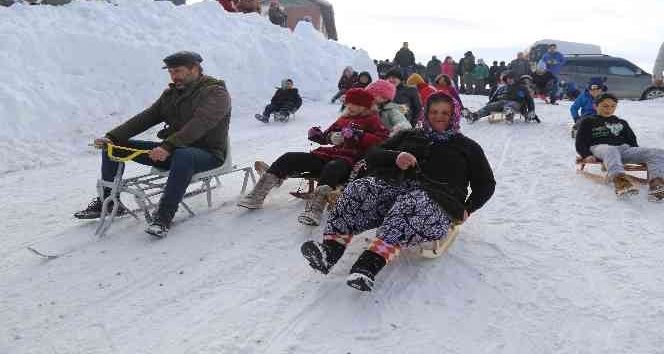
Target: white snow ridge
(552, 264)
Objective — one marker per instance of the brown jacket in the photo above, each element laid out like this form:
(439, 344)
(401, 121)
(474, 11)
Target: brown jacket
(197, 116)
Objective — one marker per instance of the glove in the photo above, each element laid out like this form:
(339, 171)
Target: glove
(337, 138)
(352, 133)
(315, 134)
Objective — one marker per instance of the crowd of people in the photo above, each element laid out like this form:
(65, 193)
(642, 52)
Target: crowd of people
(388, 154)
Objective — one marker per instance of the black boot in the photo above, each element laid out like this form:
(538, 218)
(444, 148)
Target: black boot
(363, 272)
(161, 222)
(322, 256)
(93, 211)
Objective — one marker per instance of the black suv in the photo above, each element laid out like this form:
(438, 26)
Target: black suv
(623, 78)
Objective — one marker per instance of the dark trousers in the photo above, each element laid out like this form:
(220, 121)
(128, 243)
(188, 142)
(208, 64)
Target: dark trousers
(182, 164)
(271, 108)
(330, 173)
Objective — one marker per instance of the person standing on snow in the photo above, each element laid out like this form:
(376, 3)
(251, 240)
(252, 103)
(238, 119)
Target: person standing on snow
(286, 101)
(276, 15)
(586, 102)
(406, 96)
(466, 66)
(411, 196)
(433, 69)
(520, 66)
(607, 138)
(449, 68)
(479, 75)
(553, 61)
(658, 69)
(196, 109)
(405, 60)
(343, 144)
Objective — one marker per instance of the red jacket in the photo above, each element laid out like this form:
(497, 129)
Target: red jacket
(228, 5)
(448, 69)
(352, 150)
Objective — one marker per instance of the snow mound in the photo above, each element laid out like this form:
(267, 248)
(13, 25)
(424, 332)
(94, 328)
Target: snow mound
(72, 72)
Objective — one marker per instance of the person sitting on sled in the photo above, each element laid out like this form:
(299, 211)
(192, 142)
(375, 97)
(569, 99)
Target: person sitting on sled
(344, 143)
(610, 139)
(390, 113)
(417, 188)
(509, 99)
(196, 109)
(286, 101)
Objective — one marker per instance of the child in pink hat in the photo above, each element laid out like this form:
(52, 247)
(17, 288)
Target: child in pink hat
(390, 113)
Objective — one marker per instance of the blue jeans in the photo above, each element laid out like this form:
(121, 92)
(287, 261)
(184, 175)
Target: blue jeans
(182, 164)
(553, 92)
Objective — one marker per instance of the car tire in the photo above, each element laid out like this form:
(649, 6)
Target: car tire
(652, 92)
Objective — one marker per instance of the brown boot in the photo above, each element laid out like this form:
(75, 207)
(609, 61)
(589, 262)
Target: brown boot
(656, 190)
(623, 186)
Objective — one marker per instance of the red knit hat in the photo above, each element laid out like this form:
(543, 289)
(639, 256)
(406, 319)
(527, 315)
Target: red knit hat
(382, 89)
(359, 97)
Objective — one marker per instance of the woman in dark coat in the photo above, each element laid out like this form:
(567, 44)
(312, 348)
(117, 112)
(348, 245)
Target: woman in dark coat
(418, 188)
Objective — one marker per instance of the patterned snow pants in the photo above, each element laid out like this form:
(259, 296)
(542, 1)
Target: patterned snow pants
(404, 214)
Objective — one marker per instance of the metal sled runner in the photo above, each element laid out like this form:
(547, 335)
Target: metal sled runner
(150, 186)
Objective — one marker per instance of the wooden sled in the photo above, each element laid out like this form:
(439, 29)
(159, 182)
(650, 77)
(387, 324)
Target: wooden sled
(436, 249)
(602, 177)
(311, 180)
(496, 117)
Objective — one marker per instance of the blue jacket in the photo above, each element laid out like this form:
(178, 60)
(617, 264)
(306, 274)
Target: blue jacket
(554, 62)
(585, 103)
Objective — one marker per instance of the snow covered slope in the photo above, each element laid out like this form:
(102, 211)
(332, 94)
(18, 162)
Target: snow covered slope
(71, 72)
(553, 264)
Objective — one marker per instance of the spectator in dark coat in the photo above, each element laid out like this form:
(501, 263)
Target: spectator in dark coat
(433, 69)
(493, 74)
(405, 60)
(285, 102)
(346, 82)
(466, 66)
(520, 66)
(276, 14)
(408, 97)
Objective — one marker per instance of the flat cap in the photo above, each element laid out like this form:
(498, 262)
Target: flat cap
(183, 58)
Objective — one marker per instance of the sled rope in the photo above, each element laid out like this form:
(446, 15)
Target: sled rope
(134, 153)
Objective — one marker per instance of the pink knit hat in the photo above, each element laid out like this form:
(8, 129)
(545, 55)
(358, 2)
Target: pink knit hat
(382, 89)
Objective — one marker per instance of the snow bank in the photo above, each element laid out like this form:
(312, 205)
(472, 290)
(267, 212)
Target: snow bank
(72, 72)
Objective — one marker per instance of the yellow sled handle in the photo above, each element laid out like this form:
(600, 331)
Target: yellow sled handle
(135, 152)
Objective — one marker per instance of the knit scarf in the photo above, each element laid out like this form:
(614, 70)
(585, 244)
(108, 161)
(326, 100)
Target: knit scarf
(438, 137)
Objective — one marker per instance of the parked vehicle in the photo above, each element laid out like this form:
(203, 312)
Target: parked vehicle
(623, 78)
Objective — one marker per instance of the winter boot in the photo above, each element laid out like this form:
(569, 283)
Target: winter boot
(93, 211)
(322, 256)
(255, 198)
(262, 118)
(656, 190)
(161, 223)
(623, 186)
(363, 273)
(509, 114)
(313, 210)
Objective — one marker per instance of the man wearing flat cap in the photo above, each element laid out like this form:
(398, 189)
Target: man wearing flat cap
(196, 111)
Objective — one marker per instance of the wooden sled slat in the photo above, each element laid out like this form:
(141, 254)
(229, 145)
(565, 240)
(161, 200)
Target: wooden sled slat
(602, 177)
(438, 248)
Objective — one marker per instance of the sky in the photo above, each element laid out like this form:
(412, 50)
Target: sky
(496, 30)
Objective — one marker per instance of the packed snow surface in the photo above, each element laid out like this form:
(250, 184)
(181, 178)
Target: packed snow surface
(552, 264)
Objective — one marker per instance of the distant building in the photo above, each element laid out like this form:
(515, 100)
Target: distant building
(319, 12)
